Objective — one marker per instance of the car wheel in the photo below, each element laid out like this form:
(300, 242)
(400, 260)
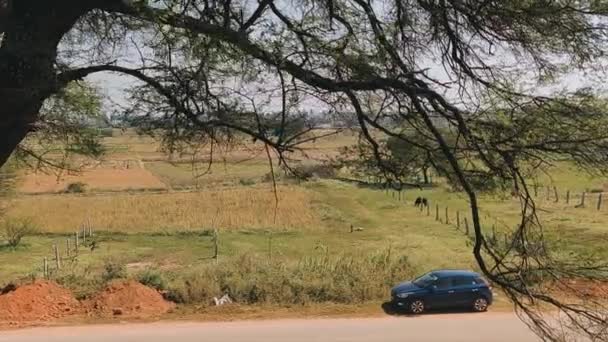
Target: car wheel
(417, 307)
(480, 304)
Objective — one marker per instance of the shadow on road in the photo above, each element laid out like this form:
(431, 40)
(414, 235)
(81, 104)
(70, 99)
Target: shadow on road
(391, 310)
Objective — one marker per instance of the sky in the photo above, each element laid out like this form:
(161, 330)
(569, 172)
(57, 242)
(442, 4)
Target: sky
(114, 86)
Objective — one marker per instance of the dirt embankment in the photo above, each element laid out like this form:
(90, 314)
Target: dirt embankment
(37, 302)
(44, 301)
(582, 288)
(128, 298)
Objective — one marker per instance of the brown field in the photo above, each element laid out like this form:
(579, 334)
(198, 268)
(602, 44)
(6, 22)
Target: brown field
(120, 176)
(127, 145)
(225, 209)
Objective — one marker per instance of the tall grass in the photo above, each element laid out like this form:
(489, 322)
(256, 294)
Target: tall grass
(320, 279)
(227, 209)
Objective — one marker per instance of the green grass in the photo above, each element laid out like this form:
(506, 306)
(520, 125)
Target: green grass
(385, 223)
(566, 176)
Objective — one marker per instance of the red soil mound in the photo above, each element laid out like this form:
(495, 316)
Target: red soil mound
(36, 302)
(129, 298)
(585, 288)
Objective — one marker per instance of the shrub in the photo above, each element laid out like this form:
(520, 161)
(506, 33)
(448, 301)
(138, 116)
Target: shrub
(106, 132)
(153, 279)
(83, 283)
(321, 279)
(77, 187)
(314, 171)
(246, 182)
(113, 270)
(14, 230)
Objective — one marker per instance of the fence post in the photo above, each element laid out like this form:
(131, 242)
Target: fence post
(57, 258)
(556, 194)
(447, 218)
(466, 226)
(84, 236)
(270, 248)
(568, 197)
(583, 200)
(45, 269)
(76, 242)
(458, 219)
(399, 193)
(428, 210)
(215, 245)
(436, 212)
(67, 243)
(599, 201)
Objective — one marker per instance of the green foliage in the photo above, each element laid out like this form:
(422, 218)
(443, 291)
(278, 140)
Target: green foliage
(13, 230)
(307, 171)
(7, 178)
(69, 123)
(82, 282)
(113, 269)
(246, 182)
(105, 132)
(318, 279)
(153, 279)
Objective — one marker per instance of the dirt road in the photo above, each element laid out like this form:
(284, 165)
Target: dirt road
(494, 327)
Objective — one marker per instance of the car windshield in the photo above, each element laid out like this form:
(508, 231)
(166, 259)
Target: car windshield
(425, 280)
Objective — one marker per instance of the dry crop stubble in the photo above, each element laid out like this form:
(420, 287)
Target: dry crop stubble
(244, 207)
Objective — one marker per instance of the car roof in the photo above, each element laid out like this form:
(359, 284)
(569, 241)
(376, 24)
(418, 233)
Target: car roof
(452, 273)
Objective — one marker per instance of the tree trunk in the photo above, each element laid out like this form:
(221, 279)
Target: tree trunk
(31, 32)
(425, 174)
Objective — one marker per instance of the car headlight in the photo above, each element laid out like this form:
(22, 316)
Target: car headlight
(403, 295)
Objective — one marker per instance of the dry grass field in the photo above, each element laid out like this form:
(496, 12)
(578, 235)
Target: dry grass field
(124, 175)
(201, 175)
(247, 207)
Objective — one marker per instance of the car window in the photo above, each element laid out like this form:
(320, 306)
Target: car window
(425, 280)
(443, 283)
(463, 281)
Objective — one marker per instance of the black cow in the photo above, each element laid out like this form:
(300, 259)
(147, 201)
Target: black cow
(421, 201)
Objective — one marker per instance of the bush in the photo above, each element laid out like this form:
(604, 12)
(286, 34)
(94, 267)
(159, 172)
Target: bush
(77, 187)
(321, 279)
(113, 270)
(14, 230)
(83, 283)
(153, 279)
(246, 182)
(106, 132)
(267, 178)
(314, 171)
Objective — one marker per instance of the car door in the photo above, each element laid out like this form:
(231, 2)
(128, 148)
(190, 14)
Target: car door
(465, 289)
(441, 295)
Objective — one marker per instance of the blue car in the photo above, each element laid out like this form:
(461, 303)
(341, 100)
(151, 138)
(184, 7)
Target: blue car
(443, 289)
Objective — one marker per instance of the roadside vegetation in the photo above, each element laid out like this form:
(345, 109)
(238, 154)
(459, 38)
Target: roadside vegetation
(331, 241)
